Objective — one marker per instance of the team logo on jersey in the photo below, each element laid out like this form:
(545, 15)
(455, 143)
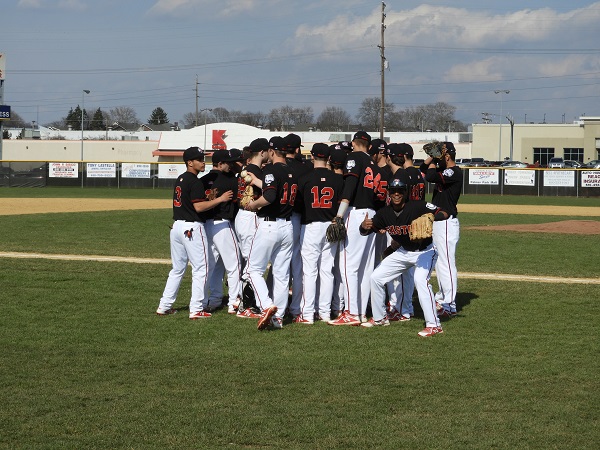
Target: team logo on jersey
(448, 172)
(431, 206)
(350, 164)
(269, 178)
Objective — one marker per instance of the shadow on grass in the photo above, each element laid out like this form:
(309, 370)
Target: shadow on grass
(463, 299)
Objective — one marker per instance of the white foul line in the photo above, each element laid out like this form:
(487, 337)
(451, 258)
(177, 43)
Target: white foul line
(125, 259)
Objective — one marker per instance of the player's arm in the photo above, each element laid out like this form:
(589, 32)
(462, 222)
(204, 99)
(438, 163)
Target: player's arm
(269, 195)
(438, 213)
(370, 225)
(205, 205)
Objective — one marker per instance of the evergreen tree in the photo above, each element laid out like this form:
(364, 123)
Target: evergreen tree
(74, 119)
(158, 117)
(97, 122)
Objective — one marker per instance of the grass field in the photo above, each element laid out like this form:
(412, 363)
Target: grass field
(86, 363)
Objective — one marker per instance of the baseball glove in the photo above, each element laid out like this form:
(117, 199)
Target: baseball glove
(421, 227)
(336, 231)
(435, 149)
(211, 194)
(247, 197)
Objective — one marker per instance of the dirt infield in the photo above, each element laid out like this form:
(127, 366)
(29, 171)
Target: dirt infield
(585, 227)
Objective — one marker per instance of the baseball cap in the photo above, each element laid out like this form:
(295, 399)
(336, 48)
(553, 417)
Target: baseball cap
(346, 146)
(258, 145)
(377, 145)
(400, 149)
(396, 183)
(449, 147)
(362, 136)
(292, 142)
(219, 156)
(192, 153)
(320, 150)
(277, 143)
(235, 155)
(337, 155)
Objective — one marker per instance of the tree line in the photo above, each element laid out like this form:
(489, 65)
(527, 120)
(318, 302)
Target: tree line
(432, 117)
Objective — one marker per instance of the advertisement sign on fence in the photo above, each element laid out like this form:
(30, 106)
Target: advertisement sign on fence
(63, 170)
(170, 171)
(565, 178)
(101, 170)
(133, 170)
(483, 176)
(590, 179)
(519, 177)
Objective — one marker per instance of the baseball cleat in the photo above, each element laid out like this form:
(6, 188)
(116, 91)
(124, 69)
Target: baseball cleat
(395, 316)
(248, 314)
(300, 319)
(430, 331)
(168, 312)
(200, 315)
(231, 309)
(276, 323)
(323, 317)
(376, 323)
(346, 319)
(265, 317)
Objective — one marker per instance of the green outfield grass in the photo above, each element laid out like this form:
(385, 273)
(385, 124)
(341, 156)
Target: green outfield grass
(85, 363)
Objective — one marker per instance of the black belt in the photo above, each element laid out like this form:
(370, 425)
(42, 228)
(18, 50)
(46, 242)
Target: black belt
(274, 219)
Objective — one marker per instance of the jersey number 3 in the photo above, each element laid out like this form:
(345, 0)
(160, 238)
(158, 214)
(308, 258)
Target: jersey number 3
(321, 200)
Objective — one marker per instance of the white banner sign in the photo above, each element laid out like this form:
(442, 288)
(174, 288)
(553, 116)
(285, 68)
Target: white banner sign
(170, 171)
(101, 170)
(519, 177)
(133, 170)
(63, 170)
(483, 176)
(564, 178)
(590, 179)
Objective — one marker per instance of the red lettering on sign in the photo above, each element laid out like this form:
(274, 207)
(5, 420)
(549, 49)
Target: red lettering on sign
(218, 140)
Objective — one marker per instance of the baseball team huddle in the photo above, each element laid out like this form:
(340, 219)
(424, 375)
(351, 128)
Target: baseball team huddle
(318, 240)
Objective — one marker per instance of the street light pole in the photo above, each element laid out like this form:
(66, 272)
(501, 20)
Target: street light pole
(85, 91)
(501, 92)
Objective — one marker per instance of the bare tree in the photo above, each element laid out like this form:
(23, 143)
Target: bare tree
(123, 114)
(287, 117)
(333, 119)
(220, 114)
(369, 113)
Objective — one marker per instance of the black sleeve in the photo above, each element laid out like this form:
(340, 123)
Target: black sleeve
(270, 195)
(350, 184)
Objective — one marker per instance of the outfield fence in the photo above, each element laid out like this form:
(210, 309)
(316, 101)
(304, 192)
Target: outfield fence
(477, 180)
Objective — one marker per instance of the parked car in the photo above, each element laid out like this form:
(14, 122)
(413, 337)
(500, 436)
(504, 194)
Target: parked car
(478, 162)
(593, 164)
(462, 161)
(556, 163)
(572, 163)
(511, 164)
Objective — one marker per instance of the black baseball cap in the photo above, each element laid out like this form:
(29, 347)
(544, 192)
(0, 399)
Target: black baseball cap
(396, 183)
(346, 146)
(193, 153)
(277, 143)
(235, 155)
(337, 155)
(377, 145)
(449, 147)
(219, 156)
(320, 150)
(292, 142)
(258, 145)
(362, 136)
(400, 149)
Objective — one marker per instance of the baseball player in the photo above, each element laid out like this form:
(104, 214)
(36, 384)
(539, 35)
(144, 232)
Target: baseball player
(448, 179)
(319, 192)
(246, 223)
(273, 237)
(378, 153)
(396, 219)
(292, 143)
(218, 223)
(188, 239)
(356, 255)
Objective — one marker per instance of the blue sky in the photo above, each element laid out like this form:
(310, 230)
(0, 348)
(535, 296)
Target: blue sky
(255, 55)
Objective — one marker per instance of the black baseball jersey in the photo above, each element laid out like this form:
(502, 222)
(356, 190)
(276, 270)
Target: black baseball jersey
(299, 168)
(359, 180)
(398, 224)
(448, 185)
(222, 182)
(380, 184)
(280, 187)
(416, 184)
(257, 171)
(319, 194)
(188, 190)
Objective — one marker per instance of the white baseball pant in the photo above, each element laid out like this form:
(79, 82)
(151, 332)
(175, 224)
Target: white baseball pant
(272, 242)
(318, 257)
(296, 266)
(184, 250)
(246, 224)
(446, 234)
(397, 263)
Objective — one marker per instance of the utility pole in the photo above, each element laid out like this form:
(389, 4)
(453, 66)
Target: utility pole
(511, 120)
(196, 100)
(383, 67)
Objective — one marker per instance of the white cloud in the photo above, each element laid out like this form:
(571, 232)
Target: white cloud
(225, 8)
